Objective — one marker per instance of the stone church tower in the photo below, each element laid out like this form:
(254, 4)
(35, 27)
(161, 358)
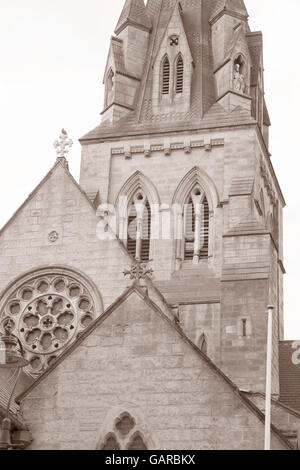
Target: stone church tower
(177, 179)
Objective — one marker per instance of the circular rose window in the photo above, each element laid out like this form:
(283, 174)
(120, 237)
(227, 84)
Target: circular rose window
(47, 313)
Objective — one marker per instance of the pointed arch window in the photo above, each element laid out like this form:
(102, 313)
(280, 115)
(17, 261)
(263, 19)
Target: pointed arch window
(139, 227)
(110, 443)
(136, 443)
(196, 226)
(203, 343)
(110, 83)
(166, 76)
(179, 74)
(126, 435)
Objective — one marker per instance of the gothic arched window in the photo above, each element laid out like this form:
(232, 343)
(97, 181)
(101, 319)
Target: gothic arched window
(165, 76)
(203, 343)
(139, 227)
(179, 75)
(126, 435)
(110, 443)
(136, 443)
(262, 203)
(196, 226)
(110, 81)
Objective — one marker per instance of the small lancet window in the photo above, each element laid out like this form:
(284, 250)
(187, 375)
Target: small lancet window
(244, 327)
(203, 343)
(262, 202)
(110, 87)
(179, 75)
(139, 227)
(196, 227)
(166, 76)
(110, 443)
(136, 443)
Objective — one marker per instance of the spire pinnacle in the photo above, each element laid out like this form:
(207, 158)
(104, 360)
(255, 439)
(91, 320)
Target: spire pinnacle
(134, 13)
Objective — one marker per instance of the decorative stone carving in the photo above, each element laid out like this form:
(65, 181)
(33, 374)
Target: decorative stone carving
(238, 79)
(63, 145)
(53, 237)
(138, 271)
(46, 314)
(174, 40)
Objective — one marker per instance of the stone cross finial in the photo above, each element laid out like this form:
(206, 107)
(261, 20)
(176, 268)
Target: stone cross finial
(138, 271)
(63, 145)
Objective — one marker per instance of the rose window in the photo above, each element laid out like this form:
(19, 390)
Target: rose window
(47, 314)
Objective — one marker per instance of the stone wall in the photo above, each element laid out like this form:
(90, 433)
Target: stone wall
(136, 362)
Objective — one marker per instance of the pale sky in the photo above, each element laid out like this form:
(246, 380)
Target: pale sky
(53, 54)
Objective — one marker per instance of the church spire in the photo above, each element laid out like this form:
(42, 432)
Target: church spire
(134, 13)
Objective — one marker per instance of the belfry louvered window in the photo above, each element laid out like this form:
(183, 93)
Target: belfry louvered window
(189, 250)
(166, 76)
(179, 75)
(144, 252)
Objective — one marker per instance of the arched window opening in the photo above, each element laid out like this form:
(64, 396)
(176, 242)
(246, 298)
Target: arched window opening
(125, 435)
(189, 230)
(110, 443)
(179, 75)
(196, 227)
(166, 76)
(136, 443)
(110, 87)
(262, 202)
(203, 344)
(125, 424)
(139, 227)
(239, 81)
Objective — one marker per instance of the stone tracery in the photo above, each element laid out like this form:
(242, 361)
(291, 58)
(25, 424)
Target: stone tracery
(47, 313)
(126, 435)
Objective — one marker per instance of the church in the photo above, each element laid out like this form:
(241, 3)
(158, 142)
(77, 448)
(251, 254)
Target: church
(138, 297)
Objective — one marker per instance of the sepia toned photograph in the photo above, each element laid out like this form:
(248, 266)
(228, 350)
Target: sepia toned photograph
(149, 228)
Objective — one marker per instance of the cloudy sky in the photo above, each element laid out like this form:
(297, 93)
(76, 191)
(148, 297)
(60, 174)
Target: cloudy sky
(53, 54)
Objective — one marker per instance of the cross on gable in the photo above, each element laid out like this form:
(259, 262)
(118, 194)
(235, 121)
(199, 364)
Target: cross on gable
(63, 145)
(138, 271)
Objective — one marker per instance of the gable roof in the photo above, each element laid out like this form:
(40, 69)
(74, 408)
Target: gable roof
(58, 164)
(176, 17)
(137, 289)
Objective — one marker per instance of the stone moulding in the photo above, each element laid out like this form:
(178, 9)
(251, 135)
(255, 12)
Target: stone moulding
(169, 149)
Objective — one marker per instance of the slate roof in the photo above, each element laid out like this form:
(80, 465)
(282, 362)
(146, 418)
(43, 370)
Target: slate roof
(289, 374)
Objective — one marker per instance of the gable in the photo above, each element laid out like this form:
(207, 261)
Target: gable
(57, 226)
(135, 361)
(175, 28)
